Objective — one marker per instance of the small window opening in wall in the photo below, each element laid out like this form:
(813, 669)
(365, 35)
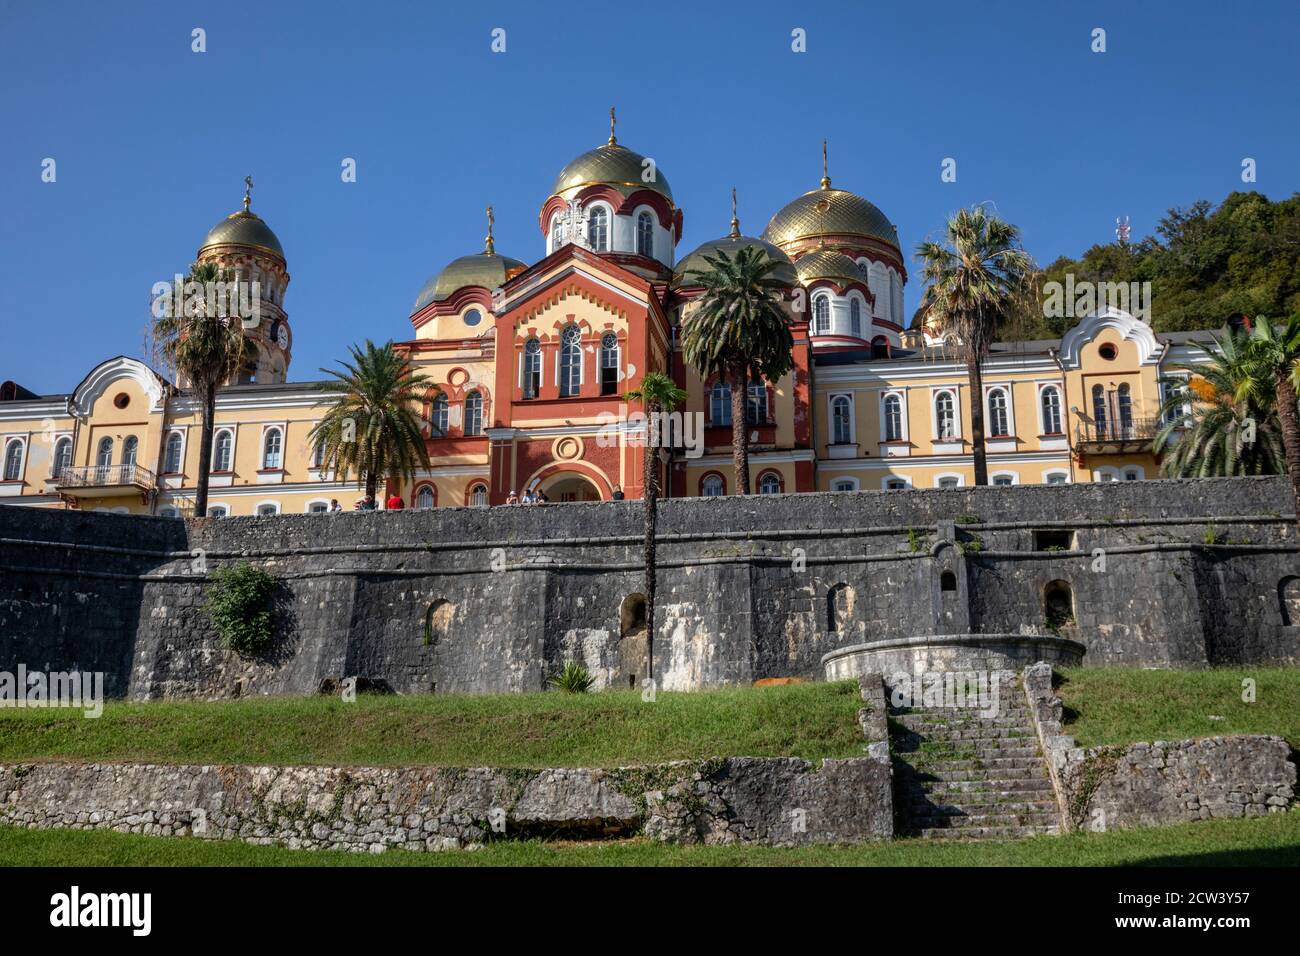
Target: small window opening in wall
(437, 621)
(1053, 540)
(1288, 593)
(1108, 351)
(121, 400)
(1058, 605)
(947, 581)
(631, 617)
(631, 682)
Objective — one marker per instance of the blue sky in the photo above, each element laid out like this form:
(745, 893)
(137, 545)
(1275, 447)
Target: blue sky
(152, 141)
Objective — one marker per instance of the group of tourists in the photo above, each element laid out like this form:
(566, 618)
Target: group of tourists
(529, 497)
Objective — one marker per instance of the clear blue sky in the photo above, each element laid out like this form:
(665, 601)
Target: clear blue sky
(152, 141)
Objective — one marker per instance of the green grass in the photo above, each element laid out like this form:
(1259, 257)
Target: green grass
(1113, 706)
(813, 721)
(1272, 840)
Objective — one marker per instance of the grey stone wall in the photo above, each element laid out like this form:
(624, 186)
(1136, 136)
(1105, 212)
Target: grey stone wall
(749, 587)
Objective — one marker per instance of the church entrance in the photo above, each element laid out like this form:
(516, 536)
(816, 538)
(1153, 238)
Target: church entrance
(568, 486)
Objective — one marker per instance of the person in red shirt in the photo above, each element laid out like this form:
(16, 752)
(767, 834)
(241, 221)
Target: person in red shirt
(395, 503)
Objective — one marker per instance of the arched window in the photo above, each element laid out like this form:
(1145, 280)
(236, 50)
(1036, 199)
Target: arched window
(645, 235)
(221, 449)
(947, 581)
(172, 458)
(557, 233)
(1051, 402)
(1099, 409)
(474, 414)
(424, 498)
(438, 416)
(62, 456)
(720, 404)
(1124, 398)
(756, 404)
(478, 496)
(769, 484)
(13, 460)
(844, 484)
(104, 454)
(893, 416)
(880, 347)
(218, 511)
(272, 449)
(598, 229)
(839, 607)
(609, 363)
(945, 415)
(318, 454)
(267, 509)
(855, 319)
(532, 368)
(841, 420)
(130, 450)
(999, 425)
(570, 361)
(713, 486)
(821, 315)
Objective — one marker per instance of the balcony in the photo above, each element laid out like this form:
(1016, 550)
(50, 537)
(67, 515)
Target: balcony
(1116, 437)
(105, 481)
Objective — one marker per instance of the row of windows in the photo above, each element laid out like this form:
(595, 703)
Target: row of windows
(426, 497)
(998, 421)
(570, 371)
(997, 479)
(714, 485)
(756, 405)
(471, 419)
(598, 232)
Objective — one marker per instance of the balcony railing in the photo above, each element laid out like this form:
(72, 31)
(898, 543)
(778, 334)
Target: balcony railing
(106, 476)
(1130, 434)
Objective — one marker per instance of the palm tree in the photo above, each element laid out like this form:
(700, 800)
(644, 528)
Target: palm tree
(1210, 428)
(373, 429)
(739, 331)
(205, 351)
(1278, 355)
(659, 393)
(979, 281)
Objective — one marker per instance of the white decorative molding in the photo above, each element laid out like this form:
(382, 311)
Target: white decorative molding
(105, 374)
(1130, 328)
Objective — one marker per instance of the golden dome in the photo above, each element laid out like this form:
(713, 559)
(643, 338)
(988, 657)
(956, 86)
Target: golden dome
(830, 212)
(243, 228)
(825, 263)
(731, 245)
(486, 270)
(610, 165)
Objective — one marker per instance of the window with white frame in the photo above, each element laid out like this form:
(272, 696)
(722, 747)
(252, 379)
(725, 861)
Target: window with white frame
(645, 235)
(821, 315)
(598, 229)
(478, 496)
(999, 417)
(532, 368)
(318, 454)
(769, 484)
(62, 456)
(557, 233)
(841, 420)
(14, 459)
(609, 364)
(104, 454)
(424, 498)
(892, 417)
(1124, 398)
(1049, 400)
(1172, 408)
(756, 405)
(1133, 473)
(172, 457)
(169, 511)
(895, 484)
(318, 507)
(844, 484)
(272, 449)
(438, 415)
(1004, 479)
(720, 404)
(218, 511)
(268, 508)
(474, 414)
(1057, 478)
(570, 361)
(713, 486)
(945, 416)
(130, 450)
(222, 447)
(855, 318)
(947, 481)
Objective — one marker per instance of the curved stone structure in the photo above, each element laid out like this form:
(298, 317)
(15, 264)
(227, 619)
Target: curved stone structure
(950, 652)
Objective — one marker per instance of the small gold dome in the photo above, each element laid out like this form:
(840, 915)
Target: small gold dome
(243, 228)
(829, 212)
(485, 270)
(828, 264)
(785, 271)
(609, 165)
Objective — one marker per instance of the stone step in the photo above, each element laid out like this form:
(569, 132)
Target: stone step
(919, 721)
(1002, 775)
(1032, 818)
(970, 750)
(985, 833)
(1020, 762)
(988, 789)
(924, 808)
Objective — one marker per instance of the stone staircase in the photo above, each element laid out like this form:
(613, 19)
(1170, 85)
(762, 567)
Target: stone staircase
(958, 774)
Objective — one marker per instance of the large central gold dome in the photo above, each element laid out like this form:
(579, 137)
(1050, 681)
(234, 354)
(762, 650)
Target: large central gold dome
(830, 212)
(610, 165)
(243, 228)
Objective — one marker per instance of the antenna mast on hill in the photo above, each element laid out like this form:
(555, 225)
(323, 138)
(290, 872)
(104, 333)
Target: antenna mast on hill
(1122, 231)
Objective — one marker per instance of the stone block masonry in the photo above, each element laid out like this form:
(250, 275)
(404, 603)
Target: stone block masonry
(1160, 573)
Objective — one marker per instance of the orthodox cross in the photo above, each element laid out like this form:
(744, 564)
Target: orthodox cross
(248, 191)
(735, 223)
(489, 247)
(612, 120)
(826, 179)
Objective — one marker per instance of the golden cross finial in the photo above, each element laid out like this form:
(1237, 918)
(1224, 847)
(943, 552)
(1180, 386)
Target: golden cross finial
(826, 179)
(735, 223)
(489, 247)
(612, 121)
(248, 191)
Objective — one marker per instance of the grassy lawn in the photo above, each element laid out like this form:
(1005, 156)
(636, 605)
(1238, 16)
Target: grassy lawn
(1272, 840)
(1114, 706)
(508, 730)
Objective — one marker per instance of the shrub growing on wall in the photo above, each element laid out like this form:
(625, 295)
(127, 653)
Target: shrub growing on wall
(239, 606)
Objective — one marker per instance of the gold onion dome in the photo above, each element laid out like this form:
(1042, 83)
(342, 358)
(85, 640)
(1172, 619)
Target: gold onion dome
(731, 245)
(610, 165)
(823, 263)
(829, 212)
(487, 270)
(243, 228)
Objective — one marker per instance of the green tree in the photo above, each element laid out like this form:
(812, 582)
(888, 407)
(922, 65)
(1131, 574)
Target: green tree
(978, 283)
(206, 350)
(1277, 353)
(1223, 423)
(373, 429)
(658, 393)
(739, 331)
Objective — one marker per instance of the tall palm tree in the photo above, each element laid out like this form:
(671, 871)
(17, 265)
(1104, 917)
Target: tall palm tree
(205, 351)
(1209, 428)
(658, 393)
(739, 331)
(1278, 355)
(373, 428)
(978, 282)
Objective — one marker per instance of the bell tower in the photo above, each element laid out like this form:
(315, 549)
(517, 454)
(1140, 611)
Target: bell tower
(245, 245)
